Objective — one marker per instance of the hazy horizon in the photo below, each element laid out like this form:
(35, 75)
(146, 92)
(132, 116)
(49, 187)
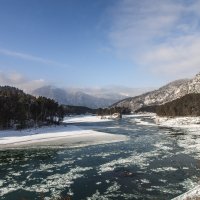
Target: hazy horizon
(136, 44)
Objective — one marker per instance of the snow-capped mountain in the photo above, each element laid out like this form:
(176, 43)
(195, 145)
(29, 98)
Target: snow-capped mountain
(163, 95)
(89, 97)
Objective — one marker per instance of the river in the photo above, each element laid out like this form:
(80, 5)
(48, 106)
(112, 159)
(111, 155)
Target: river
(155, 163)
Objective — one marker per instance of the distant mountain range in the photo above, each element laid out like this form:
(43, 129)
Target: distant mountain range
(89, 97)
(167, 93)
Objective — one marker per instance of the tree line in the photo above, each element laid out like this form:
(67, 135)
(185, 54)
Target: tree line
(188, 105)
(78, 110)
(21, 110)
(112, 110)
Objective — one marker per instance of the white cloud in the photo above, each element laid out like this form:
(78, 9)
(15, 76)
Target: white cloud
(29, 57)
(162, 36)
(17, 80)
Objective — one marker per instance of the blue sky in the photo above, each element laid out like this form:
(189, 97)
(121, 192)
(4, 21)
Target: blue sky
(94, 43)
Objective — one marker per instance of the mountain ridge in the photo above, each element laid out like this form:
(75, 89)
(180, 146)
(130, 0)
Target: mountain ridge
(164, 94)
(89, 97)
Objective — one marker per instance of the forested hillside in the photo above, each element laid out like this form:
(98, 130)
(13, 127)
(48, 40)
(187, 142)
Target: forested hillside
(21, 110)
(188, 105)
(110, 111)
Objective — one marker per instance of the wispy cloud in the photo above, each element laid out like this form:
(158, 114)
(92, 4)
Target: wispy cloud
(29, 57)
(18, 80)
(160, 36)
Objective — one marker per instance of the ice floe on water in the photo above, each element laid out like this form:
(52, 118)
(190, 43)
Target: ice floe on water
(191, 146)
(181, 122)
(164, 169)
(10, 188)
(44, 167)
(139, 115)
(162, 180)
(1, 182)
(164, 145)
(190, 183)
(145, 181)
(60, 181)
(187, 132)
(112, 191)
(113, 188)
(152, 155)
(193, 194)
(139, 121)
(105, 154)
(54, 183)
(111, 166)
(142, 160)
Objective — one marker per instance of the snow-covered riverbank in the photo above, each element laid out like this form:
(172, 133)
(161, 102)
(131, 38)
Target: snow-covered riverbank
(182, 122)
(193, 194)
(85, 118)
(190, 142)
(59, 136)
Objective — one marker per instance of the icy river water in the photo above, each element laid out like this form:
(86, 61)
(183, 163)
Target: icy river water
(155, 163)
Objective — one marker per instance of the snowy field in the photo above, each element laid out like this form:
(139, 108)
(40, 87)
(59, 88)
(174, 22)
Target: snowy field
(181, 122)
(87, 118)
(59, 136)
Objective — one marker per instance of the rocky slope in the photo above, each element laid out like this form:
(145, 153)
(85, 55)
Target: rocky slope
(163, 95)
